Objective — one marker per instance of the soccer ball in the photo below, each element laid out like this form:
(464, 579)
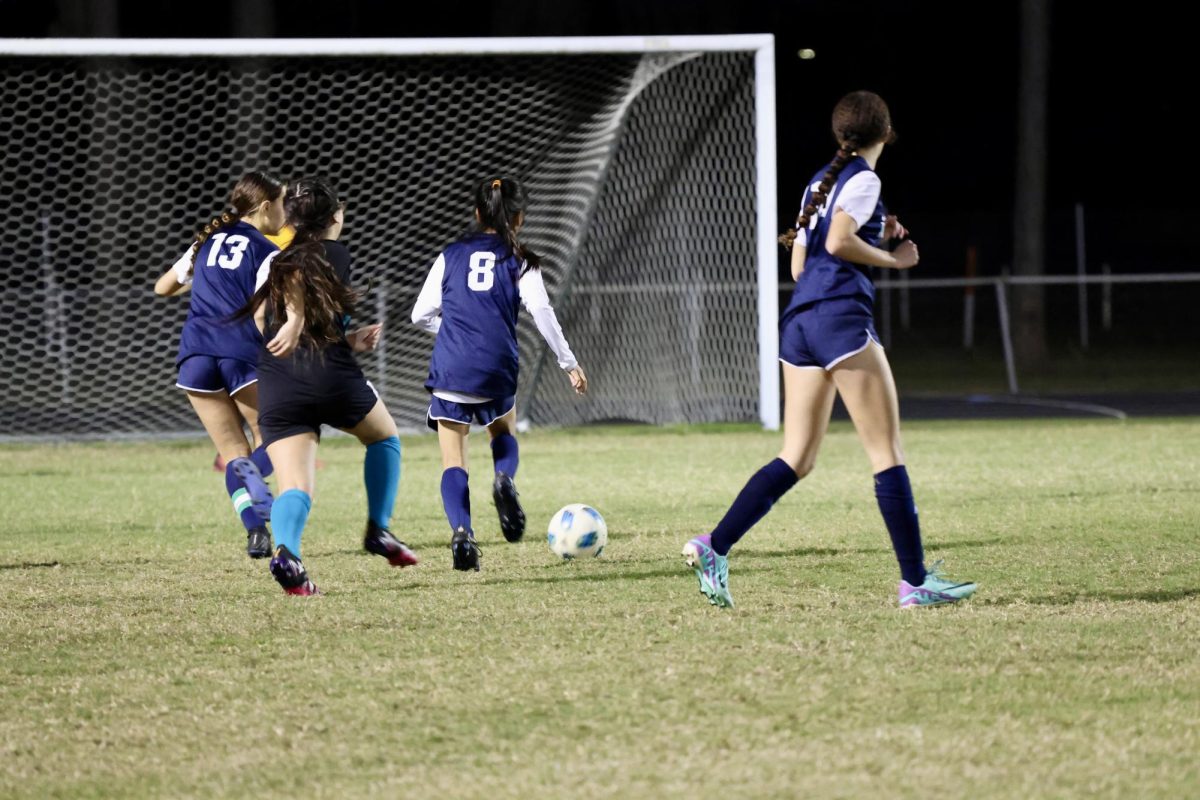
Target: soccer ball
(577, 531)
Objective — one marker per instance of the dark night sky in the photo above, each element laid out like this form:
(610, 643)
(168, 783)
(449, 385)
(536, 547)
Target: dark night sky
(948, 71)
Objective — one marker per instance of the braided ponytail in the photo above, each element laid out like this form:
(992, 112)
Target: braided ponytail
(817, 198)
(248, 193)
(860, 119)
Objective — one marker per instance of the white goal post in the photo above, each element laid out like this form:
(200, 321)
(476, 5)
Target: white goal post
(650, 162)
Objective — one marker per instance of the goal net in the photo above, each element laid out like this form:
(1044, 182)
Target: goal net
(646, 172)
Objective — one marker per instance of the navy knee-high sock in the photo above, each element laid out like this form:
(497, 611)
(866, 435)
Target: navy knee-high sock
(894, 494)
(262, 461)
(241, 500)
(505, 454)
(752, 504)
(456, 498)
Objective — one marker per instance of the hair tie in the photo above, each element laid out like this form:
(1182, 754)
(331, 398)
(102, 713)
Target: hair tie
(496, 183)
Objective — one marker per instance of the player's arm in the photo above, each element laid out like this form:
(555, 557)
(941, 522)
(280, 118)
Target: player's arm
(288, 336)
(798, 253)
(427, 311)
(857, 203)
(843, 241)
(365, 338)
(176, 280)
(537, 303)
(800, 245)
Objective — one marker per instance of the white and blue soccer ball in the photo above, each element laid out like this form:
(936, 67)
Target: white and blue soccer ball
(577, 531)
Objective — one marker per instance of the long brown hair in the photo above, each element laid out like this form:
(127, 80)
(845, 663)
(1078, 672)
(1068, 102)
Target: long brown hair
(326, 299)
(860, 119)
(248, 193)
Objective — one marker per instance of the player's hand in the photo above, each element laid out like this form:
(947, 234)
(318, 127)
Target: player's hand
(578, 380)
(892, 229)
(906, 255)
(365, 339)
(285, 341)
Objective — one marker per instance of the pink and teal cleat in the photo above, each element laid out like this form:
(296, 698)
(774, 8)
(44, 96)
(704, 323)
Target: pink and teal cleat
(935, 591)
(290, 573)
(711, 569)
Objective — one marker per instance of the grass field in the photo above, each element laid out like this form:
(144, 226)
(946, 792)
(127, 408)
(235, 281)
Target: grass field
(142, 654)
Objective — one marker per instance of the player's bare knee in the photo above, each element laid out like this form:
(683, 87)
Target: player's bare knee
(801, 463)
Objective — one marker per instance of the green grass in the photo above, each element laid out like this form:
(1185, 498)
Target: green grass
(142, 654)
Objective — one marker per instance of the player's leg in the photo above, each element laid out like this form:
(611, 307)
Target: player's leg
(865, 383)
(294, 458)
(381, 475)
(505, 457)
(456, 495)
(251, 473)
(808, 401)
(222, 421)
(246, 400)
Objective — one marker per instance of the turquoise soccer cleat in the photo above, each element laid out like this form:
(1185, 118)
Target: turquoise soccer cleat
(935, 591)
(711, 569)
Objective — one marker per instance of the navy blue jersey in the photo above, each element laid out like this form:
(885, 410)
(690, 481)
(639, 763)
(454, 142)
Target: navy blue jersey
(476, 348)
(223, 280)
(825, 275)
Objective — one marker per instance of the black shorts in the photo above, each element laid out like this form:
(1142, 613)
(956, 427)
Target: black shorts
(308, 389)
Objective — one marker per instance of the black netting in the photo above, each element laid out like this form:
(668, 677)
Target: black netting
(640, 168)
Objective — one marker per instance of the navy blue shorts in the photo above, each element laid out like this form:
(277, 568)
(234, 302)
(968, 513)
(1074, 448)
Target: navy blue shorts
(301, 393)
(466, 413)
(826, 333)
(210, 374)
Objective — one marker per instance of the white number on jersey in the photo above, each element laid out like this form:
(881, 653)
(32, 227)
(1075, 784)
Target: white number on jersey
(237, 248)
(482, 277)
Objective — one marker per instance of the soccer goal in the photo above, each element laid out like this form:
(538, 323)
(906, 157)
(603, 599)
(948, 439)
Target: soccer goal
(650, 164)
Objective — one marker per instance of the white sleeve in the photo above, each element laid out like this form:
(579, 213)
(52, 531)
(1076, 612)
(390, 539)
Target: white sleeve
(264, 270)
(860, 196)
(182, 266)
(537, 303)
(427, 312)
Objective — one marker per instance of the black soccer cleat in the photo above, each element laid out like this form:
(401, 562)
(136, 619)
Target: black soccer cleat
(512, 516)
(258, 542)
(464, 550)
(290, 573)
(381, 542)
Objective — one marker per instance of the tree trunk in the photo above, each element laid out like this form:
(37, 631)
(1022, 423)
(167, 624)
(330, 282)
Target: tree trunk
(1029, 214)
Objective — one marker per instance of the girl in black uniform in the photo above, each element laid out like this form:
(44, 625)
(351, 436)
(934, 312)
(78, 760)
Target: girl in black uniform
(308, 376)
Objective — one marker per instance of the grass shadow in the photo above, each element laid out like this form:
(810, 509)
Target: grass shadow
(33, 565)
(1071, 598)
(580, 577)
(840, 551)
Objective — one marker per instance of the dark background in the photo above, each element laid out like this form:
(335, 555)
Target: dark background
(1119, 98)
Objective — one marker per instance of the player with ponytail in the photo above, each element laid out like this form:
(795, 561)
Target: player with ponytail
(470, 301)
(217, 353)
(828, 346)
(309, 377)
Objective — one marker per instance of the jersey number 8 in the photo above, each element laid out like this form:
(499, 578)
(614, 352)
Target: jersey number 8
(482, 275)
